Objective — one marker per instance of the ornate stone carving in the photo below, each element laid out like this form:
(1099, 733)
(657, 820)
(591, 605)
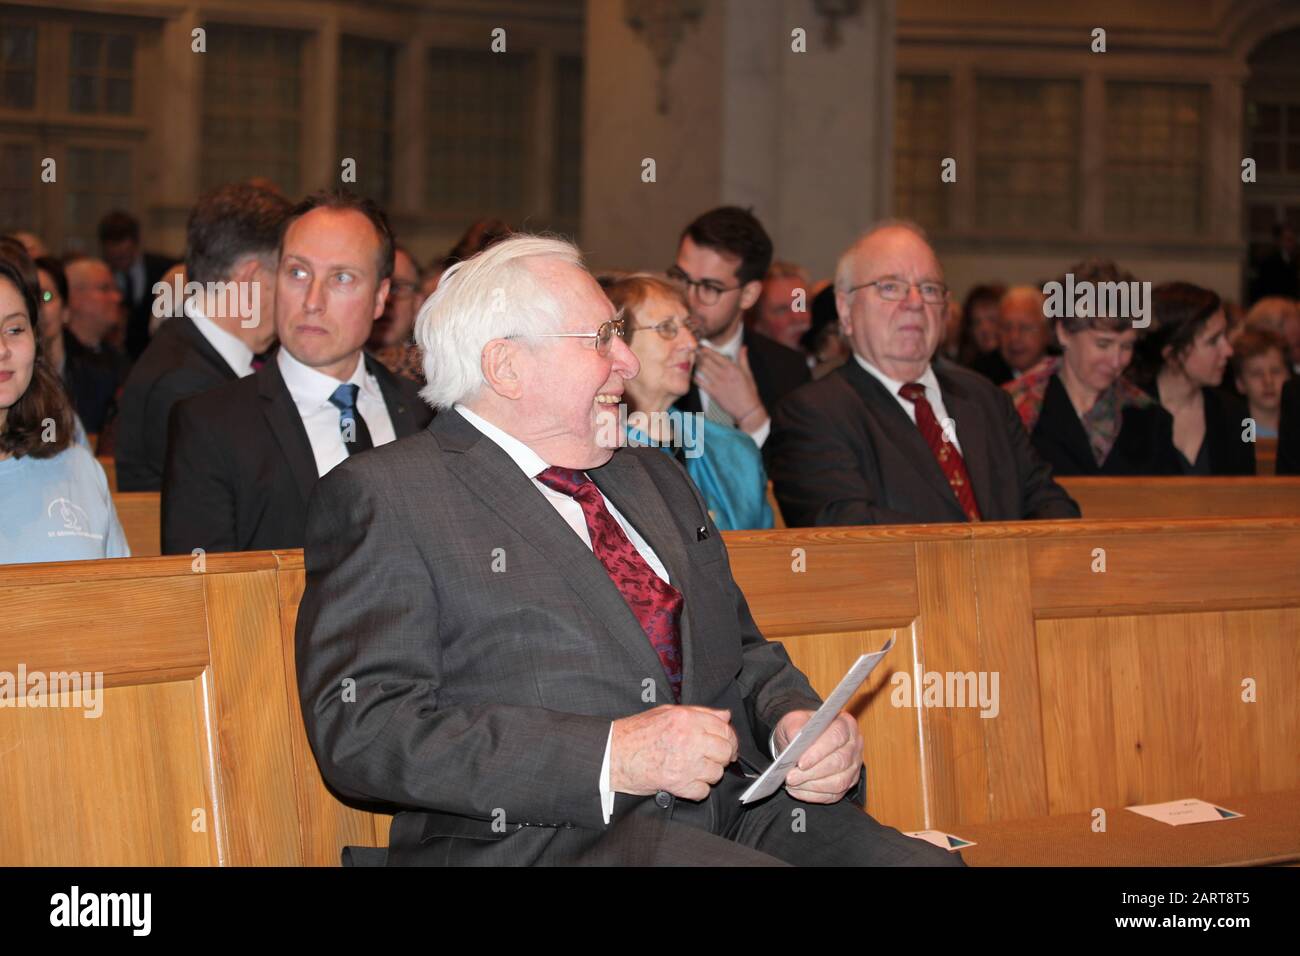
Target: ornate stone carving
(662, 25)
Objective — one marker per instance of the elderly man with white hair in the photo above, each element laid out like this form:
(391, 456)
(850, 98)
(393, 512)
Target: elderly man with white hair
(894, 436)
(547, 658)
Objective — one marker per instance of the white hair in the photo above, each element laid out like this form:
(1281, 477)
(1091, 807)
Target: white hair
(492, 295)
(844, 267)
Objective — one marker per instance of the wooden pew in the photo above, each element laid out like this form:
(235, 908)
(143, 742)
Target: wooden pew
(141, 517)
(192, 760)
(1116, 686)
(1184, 497)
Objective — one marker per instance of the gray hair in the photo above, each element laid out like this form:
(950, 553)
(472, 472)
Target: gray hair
(492, 295)
(844, 267)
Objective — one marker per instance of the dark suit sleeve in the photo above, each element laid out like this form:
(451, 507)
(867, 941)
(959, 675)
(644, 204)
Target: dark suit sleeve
(198, 493)
(1288, 430)
(815, 470)
(145, 474)
(1040, 495)
(380, 721)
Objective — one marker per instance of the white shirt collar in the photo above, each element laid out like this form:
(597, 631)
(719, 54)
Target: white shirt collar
(311, 389)
(731, 348)
(529, 462)
(237, 354)
(927, 377)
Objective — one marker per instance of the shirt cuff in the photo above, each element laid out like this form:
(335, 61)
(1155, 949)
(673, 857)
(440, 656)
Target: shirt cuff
(606, 794)
(760, 433)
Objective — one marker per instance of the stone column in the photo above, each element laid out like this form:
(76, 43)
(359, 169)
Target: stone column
(737, 116)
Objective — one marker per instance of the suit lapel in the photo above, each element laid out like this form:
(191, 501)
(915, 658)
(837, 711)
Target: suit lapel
(490, 474)
(902, 431)
(286, 425)
(399, 407)
(625, 483)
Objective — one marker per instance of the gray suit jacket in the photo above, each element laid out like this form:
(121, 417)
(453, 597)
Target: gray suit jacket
(843, 452)
(489, 650)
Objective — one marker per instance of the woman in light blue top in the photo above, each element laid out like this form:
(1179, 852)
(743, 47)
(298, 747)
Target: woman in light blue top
(724, 463)
(54, 498)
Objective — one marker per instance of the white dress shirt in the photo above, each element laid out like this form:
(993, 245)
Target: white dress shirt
(311, 391)
(731, 349)
(532, 465)
(237, 355)
(932, 395)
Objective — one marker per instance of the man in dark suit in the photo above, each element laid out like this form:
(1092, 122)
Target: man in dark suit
(94, 369)
(740, 375)
(534, 646)
(242, 458)
(889, 438)
(232, 239)
(135, 271)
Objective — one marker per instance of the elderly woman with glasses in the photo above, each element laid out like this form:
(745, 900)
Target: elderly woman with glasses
(723, 462)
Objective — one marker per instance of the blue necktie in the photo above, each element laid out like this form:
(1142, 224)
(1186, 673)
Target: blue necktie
(350, 420)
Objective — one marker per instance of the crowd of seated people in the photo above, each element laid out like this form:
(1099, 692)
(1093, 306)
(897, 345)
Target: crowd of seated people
(875, 397)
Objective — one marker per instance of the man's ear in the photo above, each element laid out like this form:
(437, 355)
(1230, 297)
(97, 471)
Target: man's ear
(749, 294)
(381, 297)
(499, 363)
(842, 310)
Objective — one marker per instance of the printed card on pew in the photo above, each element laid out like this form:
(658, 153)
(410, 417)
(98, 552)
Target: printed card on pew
(1177, 812)
(944, 841)
(774, 776)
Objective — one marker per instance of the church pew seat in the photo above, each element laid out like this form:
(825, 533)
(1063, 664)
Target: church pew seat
(1184, 497)
(140, 513)
(1121, 649)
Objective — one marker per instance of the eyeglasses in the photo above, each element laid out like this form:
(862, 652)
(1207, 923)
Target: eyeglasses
(707, 290)
(402, 288)
(604, 335)
(667, 329)
(896, 290)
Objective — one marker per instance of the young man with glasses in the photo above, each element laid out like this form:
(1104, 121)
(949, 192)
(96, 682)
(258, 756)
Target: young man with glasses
(740, 375)
(892, 437)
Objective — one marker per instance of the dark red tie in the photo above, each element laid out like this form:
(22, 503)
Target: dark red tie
(656, 603)
(945, 452)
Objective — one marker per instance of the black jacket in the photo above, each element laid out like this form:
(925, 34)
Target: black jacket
(1144, 446)
(993, 367)
(139, 313)
(843, 452)
(240, 469)
(92, 379)
(1288, 430)
(1229, 455)
(179, 362)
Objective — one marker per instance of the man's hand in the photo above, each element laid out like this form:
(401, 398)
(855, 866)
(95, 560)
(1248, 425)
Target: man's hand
(830, 767)
(730, 384)
(679, 748)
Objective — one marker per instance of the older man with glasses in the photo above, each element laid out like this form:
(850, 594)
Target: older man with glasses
(549, 659)
(895, 436)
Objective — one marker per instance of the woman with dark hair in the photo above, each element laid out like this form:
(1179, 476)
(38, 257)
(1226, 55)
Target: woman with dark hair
(54, 498)
(1082, 415)
(978, 332)
(1181, 361)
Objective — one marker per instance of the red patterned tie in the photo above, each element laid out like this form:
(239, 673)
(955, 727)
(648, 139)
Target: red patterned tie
(945, 452)
(656, 603)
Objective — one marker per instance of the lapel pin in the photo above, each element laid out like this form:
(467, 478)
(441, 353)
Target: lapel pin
(702, 532)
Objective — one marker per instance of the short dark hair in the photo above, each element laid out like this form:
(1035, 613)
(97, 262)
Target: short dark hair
(55, 268)
(230, 223)
(118, 225)
(736, 232)
(1253, 342)
(479, 236)
(23, 431)
(340, 199)
(1179, 310)
(1096, 271)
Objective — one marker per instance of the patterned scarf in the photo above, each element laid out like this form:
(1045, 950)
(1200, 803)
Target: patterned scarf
(1101, 423)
